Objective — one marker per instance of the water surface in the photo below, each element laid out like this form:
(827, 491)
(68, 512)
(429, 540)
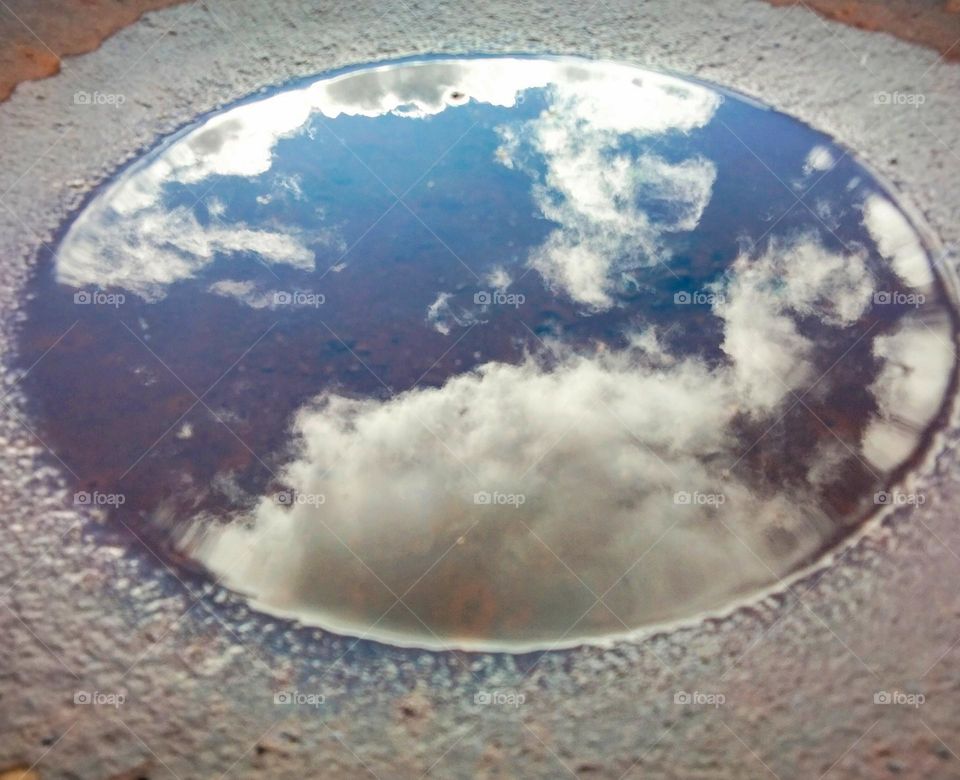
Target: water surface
(491, 352)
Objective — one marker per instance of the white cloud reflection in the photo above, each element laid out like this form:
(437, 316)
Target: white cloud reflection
(612, 205)
(897, 241)
(246, 292)
(598, 445)
(443, 316)
(917, 360)
(145, 249)
(819, 159)
(604, 230)
(762, 300)
(128, 238)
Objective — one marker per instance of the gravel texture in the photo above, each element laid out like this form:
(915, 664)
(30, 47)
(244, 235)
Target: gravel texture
(933, 23)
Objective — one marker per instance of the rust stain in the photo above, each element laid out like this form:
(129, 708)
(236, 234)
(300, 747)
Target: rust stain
(18, 773)
(34, 37)
(931, 23)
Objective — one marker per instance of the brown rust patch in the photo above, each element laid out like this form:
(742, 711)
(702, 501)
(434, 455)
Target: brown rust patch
(932, 23)
(18, 773)
(34, 37)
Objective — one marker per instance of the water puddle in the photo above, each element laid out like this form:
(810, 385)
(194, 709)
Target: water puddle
(490, 352)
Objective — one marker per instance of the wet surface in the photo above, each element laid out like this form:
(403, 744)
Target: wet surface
(440, 351)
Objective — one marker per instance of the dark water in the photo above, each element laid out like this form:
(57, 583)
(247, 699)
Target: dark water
(306, 339)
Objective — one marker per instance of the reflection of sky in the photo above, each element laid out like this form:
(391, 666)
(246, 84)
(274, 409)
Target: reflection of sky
(150, 229)
(598, 193)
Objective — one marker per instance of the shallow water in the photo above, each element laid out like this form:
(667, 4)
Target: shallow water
(491, 352)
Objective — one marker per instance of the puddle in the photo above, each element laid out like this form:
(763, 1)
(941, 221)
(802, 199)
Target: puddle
(492, 352)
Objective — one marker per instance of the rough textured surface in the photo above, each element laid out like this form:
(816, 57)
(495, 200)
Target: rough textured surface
(35, 36)
(933, 23)
(83, 609)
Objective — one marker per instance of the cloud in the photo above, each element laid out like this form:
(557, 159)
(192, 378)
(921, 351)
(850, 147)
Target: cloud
(499, 279)
(588, 453)
(241, 141)
(597, 447)
(245, 292)
(760, 304)
(423, 89)
(897, 241)
(443, 317)
(613, 207)
(819, 159)
(154, 247)
(127, 237)
(917, 361)
(603, 230)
